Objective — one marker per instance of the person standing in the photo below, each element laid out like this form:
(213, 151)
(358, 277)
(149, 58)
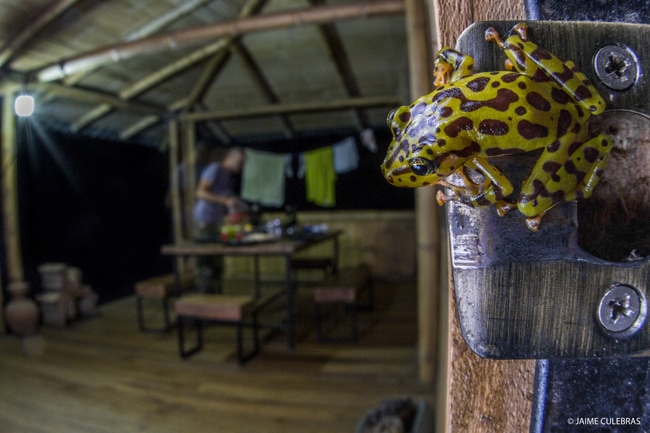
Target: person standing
(215, 196)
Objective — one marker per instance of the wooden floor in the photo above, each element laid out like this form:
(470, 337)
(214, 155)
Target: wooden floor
(102, 375)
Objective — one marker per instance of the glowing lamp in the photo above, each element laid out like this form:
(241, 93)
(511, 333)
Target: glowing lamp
(24, 105)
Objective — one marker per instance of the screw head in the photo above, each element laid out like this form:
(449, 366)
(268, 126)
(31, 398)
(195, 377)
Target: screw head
(622, 310)
(616, 66)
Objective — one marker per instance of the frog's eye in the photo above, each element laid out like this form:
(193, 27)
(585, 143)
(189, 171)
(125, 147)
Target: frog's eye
(389, 118)
(422, 166)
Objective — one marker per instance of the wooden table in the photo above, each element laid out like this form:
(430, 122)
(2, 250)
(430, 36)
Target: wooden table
(284, 247)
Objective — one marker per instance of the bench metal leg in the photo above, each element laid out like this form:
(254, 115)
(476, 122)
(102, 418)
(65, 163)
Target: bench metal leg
(242, 357)
(186, 353)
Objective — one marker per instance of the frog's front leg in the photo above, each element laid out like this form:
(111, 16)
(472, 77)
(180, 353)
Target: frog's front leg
(565, 171)
(451, 65)
(491, 190)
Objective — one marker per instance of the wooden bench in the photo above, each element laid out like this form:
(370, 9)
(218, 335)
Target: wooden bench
(344, 288)
(161, 288)
(200, 308)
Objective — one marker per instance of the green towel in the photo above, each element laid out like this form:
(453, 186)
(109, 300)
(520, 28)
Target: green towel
(320, 177)
(263, 178)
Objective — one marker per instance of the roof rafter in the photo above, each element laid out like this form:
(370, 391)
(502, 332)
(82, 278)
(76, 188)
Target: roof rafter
(315, 15)
(149, 29)
(343, 65)
(258, 76)
(102, 98)
(164, 20)
(11, 48)
(216, 49)
(271, 110)
(210, 71)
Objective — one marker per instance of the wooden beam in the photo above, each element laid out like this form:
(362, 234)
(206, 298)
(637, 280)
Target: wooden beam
(218, 62)
(102, 98)
(162, 21)
(338, 54)
(91, 116)
(11, 221)
(479, 395)
(271, 110)
(13, 45)
(427, 221)
(172, 69)
(257, 75)
(215, 127)
(210, 71)
(188, 149)
(149, 29)
(125, 50)
(184, 63)
(175, 190)
(139, 126)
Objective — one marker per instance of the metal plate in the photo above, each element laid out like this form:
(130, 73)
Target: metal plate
(538, 295)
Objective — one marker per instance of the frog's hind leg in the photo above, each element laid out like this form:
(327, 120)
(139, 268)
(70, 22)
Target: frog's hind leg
(451, 65)
(516, 61)
(566, 171)
(596, 153)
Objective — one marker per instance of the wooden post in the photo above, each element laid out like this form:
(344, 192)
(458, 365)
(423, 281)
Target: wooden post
(476, 394)
(188, 146)
(175, 189)
(427, 223)
(9, 189)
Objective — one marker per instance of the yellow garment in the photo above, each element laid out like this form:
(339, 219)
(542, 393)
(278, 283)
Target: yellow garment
(320, 177)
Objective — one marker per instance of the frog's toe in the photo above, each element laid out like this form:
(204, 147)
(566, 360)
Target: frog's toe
(442, 198)
(522, 30)
(491, 35)
(503, 207)
(534, 223)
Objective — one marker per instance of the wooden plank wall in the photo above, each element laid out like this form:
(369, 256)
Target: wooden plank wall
(478, 395)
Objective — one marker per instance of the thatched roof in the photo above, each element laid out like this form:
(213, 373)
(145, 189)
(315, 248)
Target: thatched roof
(249, 69)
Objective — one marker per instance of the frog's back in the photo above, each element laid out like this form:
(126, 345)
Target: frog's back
(503, 111)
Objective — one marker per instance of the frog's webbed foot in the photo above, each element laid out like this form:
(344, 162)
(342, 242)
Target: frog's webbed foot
(491, 35)
(503, 207)
(451, 65)
(442, 198)
(522, 30)
(441, 74)
(535, 222)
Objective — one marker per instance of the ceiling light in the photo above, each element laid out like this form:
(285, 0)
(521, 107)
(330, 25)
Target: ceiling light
(24, 105)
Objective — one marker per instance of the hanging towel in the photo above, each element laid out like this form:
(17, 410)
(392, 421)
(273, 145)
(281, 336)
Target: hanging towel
(263, 178)
(320, 177)
(346, 156)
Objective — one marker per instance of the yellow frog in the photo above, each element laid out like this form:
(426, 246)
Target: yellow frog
(540, 102)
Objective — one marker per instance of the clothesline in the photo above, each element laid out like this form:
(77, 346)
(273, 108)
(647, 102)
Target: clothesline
(265, 173)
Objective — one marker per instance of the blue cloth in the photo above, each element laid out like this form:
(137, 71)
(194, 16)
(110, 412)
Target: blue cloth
(221, 183)
(263, 179)
(346, 156)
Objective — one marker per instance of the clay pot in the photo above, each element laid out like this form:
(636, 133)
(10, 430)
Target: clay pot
(21, 312)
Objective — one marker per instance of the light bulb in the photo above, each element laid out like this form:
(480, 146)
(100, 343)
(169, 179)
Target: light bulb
(24, 105)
